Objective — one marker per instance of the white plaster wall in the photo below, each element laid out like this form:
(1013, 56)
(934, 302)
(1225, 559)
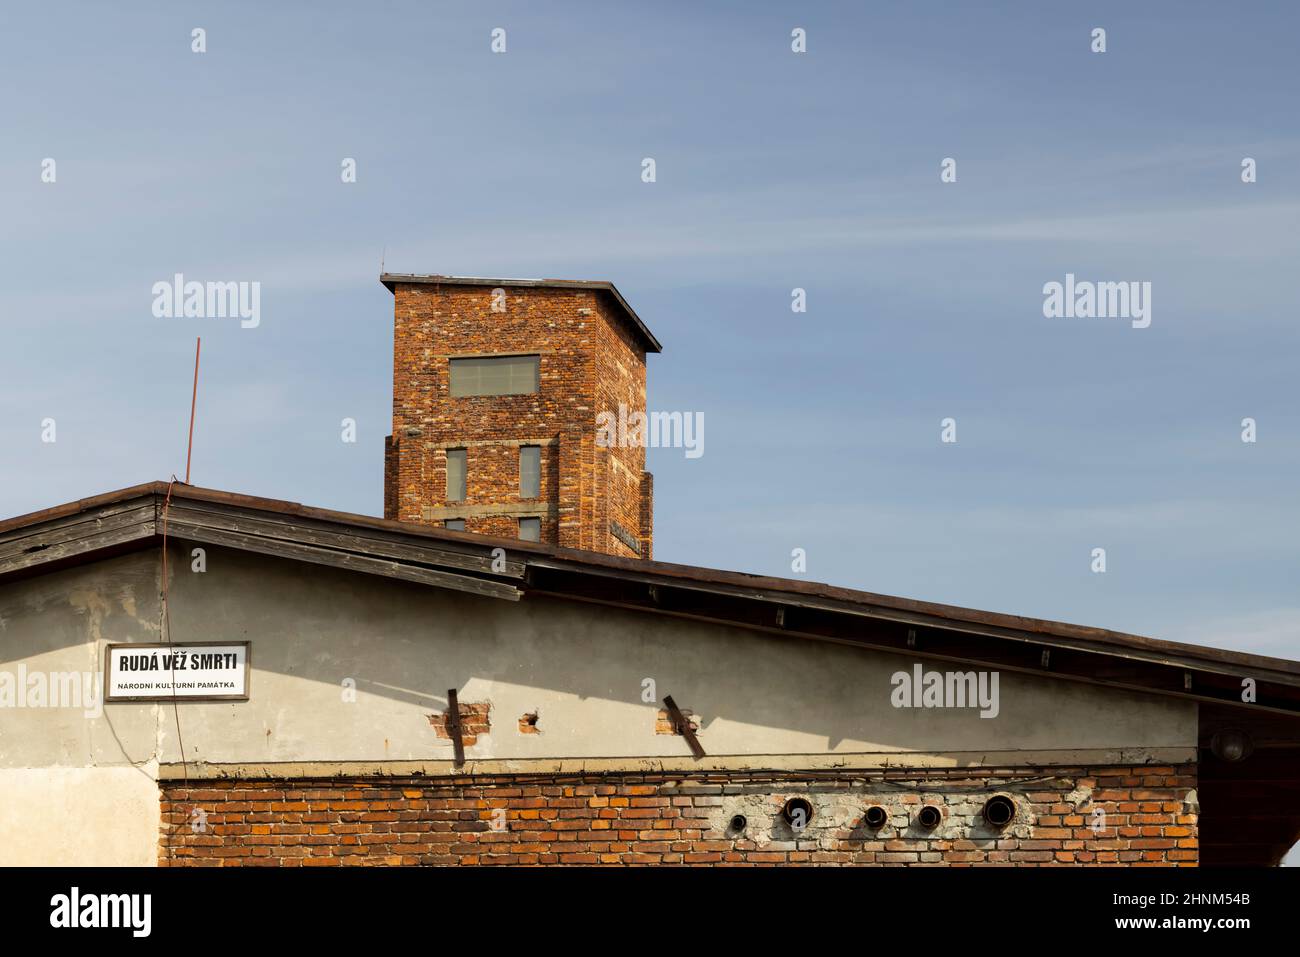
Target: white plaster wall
(78, 817)
(581, 667)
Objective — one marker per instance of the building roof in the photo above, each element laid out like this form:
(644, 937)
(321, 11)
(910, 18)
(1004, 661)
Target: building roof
(134, 518)
(648, 340)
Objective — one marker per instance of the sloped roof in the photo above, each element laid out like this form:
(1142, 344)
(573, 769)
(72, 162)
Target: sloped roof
(137, 517)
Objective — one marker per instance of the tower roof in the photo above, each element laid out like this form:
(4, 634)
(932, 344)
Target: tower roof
(651, 344)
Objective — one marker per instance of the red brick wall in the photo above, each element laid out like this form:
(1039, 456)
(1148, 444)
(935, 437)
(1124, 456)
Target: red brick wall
(620, 380)
(589, 359)
(647, 514)
(390, 478)
(620, 819)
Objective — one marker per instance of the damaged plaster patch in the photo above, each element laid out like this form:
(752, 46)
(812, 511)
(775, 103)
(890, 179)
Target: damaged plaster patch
(1080, 797)
(94, 606)
(664, 721)
(474, 720)
(127, 598)
(528, 723)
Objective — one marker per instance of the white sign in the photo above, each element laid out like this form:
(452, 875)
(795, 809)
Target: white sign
(160, 672)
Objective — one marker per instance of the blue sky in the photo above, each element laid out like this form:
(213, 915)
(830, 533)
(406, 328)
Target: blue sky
(774, 171)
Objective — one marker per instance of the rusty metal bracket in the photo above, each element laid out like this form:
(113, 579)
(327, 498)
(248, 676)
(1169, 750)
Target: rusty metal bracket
(453, 726)
(683, 726)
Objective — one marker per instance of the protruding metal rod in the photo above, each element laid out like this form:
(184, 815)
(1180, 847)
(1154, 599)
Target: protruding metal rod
(194, 401)
(453, 726)
(683, 726)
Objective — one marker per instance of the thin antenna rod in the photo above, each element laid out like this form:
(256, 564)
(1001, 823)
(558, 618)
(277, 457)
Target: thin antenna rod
(194, 400)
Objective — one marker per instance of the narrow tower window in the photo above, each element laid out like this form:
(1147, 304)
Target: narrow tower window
(530, 471)
(530, 529)
(455, 475)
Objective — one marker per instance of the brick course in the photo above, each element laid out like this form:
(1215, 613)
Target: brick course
(635, 819)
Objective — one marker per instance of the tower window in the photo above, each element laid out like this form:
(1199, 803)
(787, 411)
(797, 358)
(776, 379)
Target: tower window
(530, 529)
(495, 375)
(454, 525)
(455, 475)
(530, 471)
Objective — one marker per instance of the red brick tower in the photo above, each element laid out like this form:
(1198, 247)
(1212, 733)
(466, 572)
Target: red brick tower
(497, 384)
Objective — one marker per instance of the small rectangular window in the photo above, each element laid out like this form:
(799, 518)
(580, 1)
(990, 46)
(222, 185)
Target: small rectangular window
(455, 475)
(454, 525)
(495, 375)
(530, 529)
(530, 471)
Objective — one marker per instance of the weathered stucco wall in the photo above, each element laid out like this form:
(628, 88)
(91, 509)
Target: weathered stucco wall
(77, 785)
(581, 669)
(57, 625)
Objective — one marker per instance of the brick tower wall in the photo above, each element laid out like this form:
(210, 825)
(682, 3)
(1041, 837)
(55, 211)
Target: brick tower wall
(589, 360)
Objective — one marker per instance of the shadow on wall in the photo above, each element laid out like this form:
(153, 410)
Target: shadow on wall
(402, 645)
